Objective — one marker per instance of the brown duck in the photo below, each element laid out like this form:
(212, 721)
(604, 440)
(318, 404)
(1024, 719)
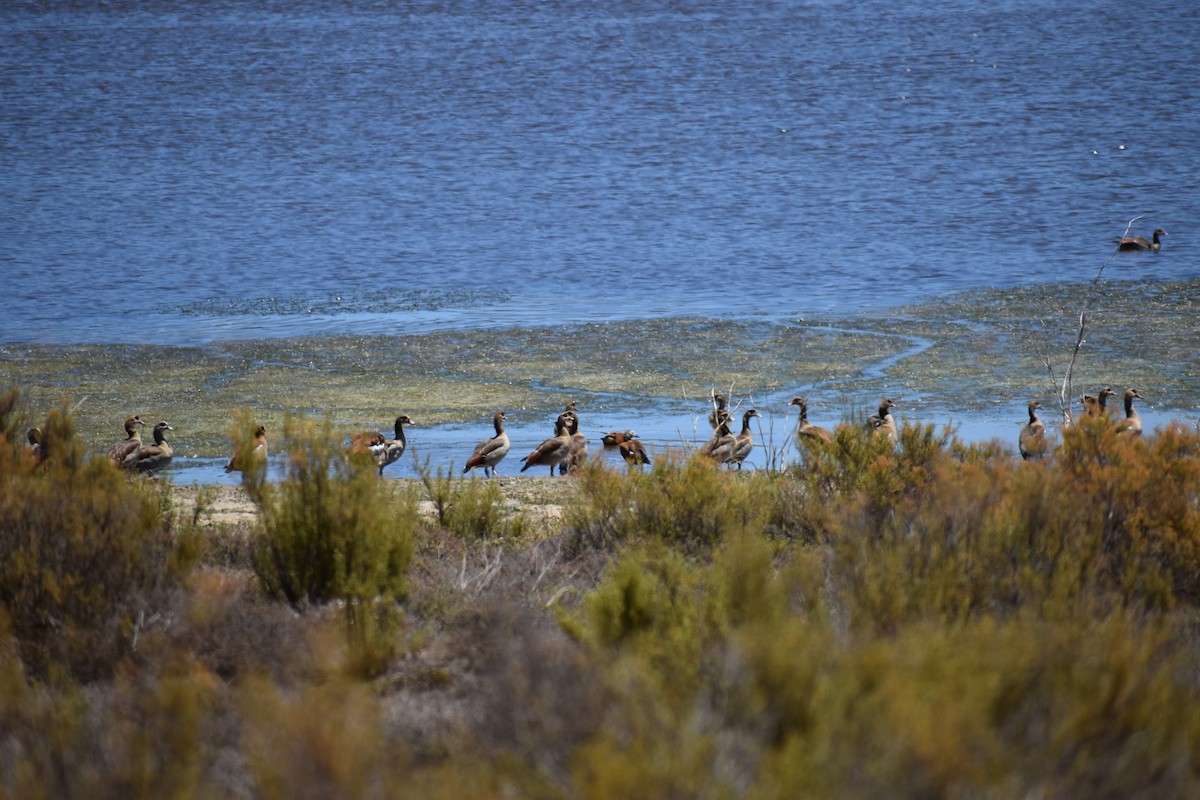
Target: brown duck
(257, 453)
(491, 451)
(382, 450)
(744, 441)
(805, 429)
(553, 451)
(614, 438)
(577, 454)
(1091, 406)
(1132, 424)
(152, 457)
(1101, 408)
(883, 424)
(720, 447)
(720, 411)
(132, 441)
(1032, 439)
(633, 451)
(34, 438)
(1140, 243)
(390, 451)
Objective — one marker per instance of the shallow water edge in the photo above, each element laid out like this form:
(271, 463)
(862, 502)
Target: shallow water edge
(972, 361)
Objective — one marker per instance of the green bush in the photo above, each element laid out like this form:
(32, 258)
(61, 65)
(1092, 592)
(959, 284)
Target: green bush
(687, 503)
(332, 530)
(964, 624)
(471, 507)
(929, 620)
(934, 528)
(740, 678)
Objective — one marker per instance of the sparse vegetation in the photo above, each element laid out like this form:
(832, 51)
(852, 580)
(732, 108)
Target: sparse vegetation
(470, 507)
(933, 619)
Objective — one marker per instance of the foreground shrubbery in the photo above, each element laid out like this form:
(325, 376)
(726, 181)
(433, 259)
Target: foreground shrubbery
(971, 624)
(929, 620)
(85, 556)
(331, 530)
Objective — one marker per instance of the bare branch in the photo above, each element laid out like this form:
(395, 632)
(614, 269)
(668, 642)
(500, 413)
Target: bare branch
(1066, 389)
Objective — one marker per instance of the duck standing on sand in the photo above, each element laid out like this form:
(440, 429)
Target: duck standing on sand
(577, 454)
(553, 451)
(720, 447)
(382, 450)
(744, 441)
(391, 449)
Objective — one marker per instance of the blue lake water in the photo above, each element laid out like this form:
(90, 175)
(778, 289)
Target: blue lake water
(181, 173)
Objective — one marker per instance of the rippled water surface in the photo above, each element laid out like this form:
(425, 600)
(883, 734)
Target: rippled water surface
(178, 173)
(236, 174)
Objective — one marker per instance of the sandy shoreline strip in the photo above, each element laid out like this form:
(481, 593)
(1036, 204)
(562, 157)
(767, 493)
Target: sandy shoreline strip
(540, 499)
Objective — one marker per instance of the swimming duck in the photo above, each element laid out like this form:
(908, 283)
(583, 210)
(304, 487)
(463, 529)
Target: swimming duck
(132, 441)
(744, 441)
(806, 429)
(1139, 243)
(553, 451)
(1132, 424)
(633, 451)
(1032, 439)
(257, 452)
(151, 457)
(491, 451)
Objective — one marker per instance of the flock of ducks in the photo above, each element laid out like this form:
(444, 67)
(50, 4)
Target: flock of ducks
(130, 453)
(1032, 439)
(566, 451)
